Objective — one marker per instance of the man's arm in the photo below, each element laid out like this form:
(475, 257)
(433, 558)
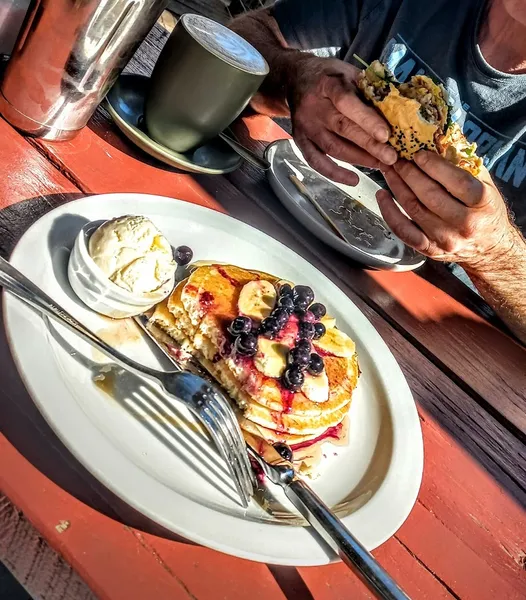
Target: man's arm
(328, 117)
(503, 286)
(262, 31)
(459, 218)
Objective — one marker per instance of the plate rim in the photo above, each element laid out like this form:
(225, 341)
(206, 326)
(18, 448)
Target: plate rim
(332, 239)
(415, 475)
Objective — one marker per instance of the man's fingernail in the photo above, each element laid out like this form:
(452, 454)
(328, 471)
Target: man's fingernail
(389, 156)
(381, 134)
(420, 157)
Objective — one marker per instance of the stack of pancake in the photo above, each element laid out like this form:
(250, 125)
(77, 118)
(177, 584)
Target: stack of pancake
(196, 316)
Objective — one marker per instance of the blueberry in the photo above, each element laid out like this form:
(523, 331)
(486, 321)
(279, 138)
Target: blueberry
(298, 359)
(300, 313)
(183, 255)
(302, 296)
(318, 310)
(246, 344)
(316, 365)
(293, 379)
(301, 304)
(285, 290)
(309, 316)
(284, 451)
(306, 331)
(303, 347)
(269, 327)
(286, 302)
(240, 325)
(319, 330)
(281, 315)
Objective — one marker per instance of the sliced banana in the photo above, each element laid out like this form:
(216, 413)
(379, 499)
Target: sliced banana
(336, 342)
(328, 321)
(257, 299)
(316, 387)
(271, 357)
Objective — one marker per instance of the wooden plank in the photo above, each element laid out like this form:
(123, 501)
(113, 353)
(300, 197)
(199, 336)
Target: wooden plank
(35, 565)
(27, 174)
(480, 357)
(336, 582)
(105, 164)
(467, 574)
(103, 552)
(29, 188)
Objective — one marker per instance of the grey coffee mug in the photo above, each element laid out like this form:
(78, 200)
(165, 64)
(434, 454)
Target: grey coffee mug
(204, 77)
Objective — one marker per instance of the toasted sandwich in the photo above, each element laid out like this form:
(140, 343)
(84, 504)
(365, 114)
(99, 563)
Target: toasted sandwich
(418, 113)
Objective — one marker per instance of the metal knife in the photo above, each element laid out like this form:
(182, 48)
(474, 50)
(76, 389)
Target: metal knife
(326, 524)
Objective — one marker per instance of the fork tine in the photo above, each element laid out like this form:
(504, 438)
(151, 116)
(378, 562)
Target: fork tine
(238, 464)
(239, 441)
(235, 439)
(215, 427)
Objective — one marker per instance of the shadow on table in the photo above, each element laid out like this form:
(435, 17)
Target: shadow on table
(102, 125)
(16, 219)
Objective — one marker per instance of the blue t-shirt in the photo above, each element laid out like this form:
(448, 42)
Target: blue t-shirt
(437, 38)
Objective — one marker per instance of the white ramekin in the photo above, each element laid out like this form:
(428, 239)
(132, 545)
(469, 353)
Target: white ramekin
(99, 293)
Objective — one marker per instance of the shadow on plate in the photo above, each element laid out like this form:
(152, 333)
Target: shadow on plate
(61, 239)
(164, 420)
(26, 429)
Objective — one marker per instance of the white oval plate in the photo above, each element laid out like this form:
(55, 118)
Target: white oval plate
(167, 472)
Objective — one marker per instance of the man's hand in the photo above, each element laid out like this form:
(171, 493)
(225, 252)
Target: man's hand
(455, 216)
(328, 118)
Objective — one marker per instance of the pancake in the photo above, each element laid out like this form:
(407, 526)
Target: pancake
(196, 317)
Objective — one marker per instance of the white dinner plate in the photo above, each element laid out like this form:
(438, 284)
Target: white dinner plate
(165, 469)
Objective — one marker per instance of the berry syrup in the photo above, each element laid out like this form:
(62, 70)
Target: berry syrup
(332, 432)
(224, 274)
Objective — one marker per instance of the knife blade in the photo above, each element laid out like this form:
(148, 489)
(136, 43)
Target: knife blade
(349, 218)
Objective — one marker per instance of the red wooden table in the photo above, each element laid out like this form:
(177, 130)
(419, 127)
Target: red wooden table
(466, 536)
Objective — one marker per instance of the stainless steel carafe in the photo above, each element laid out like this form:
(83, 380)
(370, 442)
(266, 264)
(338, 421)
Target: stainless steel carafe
(67, 56)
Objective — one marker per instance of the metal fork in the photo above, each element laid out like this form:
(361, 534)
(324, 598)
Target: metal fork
(197, 394)
(327, 525)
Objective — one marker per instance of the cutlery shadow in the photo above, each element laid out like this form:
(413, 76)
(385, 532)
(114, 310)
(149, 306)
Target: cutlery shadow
(26, 429)
(176, 429)
(291, 583)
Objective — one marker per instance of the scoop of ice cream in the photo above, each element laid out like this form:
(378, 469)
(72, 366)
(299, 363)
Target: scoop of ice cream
(132, 253)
